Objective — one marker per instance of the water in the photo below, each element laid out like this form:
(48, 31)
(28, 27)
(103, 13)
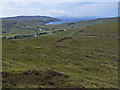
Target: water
(68, 20)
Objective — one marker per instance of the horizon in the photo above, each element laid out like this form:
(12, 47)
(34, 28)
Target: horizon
(63, 17)
(57, 9)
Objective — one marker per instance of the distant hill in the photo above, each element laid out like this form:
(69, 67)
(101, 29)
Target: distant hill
(23, 18)
(80, 24)
(30, 25)
(96, 30)
(64, 16)
(24, 24)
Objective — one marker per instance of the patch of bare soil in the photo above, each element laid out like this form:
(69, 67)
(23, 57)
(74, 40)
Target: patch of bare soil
(109, 65)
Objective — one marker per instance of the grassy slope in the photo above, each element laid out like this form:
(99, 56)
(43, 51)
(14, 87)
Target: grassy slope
(90, 62)
(80, 24)
(31, 25)
(23, 25)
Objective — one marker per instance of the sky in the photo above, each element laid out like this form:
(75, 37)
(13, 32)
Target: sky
(56, 8)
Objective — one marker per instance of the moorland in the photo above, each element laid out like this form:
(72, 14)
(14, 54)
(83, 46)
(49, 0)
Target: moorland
(81, 54)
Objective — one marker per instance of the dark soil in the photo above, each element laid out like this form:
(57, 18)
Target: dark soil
(49, 77)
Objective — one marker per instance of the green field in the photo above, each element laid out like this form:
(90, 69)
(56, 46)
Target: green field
(81, 57)
(23, 25)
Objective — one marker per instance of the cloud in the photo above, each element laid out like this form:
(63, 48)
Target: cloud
(49, 4)
(98, 9)
(22, 4)
(17, 9)
(59, 0)
(59, 8)
(56, 12)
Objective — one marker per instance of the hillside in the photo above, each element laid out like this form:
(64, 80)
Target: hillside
(24, 24)
(27, 26)
(80, 24)
(98, 30)
(81, 57)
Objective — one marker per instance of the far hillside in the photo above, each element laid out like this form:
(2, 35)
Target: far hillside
(80, 24)
(107, 29)
(24, 24)
(28, 26)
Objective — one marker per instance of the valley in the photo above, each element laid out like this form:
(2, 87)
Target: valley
(82, 54)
